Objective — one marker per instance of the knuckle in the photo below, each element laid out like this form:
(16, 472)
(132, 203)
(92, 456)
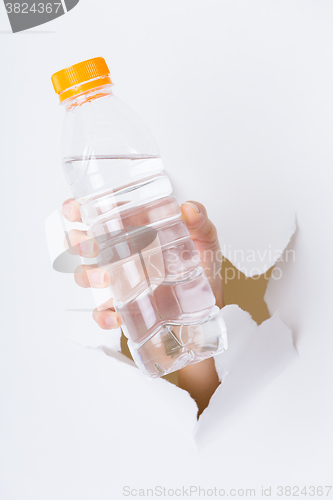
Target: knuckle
(66, 242)
(212, 231)
(80, 277)
(69, 200)
(69, 240)
(209, 232)
(95, 315)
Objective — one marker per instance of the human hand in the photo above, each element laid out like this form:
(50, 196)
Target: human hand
(200, 379)
(202, 232)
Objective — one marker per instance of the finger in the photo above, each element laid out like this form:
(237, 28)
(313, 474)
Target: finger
(106, 317)
(200, 227)
(204, 235)
(91, 277)
(71, 210)
(78, 243)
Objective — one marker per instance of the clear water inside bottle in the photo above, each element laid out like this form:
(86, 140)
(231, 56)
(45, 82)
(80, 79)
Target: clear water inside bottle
(161, 292)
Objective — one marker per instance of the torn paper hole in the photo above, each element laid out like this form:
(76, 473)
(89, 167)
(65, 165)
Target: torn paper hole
(256, 354)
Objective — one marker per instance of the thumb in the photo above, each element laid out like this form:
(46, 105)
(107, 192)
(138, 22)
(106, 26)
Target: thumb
(201, 228)
(204, 236)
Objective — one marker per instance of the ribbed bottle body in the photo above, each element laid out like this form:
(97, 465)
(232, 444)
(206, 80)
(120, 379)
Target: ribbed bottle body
(165, 301)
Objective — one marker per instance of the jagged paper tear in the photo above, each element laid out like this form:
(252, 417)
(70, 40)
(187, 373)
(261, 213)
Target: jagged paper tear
(255, 356)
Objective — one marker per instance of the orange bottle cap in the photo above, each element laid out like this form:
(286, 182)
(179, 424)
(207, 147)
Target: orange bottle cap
(81, 77)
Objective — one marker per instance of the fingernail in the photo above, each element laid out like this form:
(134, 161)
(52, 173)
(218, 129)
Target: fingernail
(192, 206)
(87, 247)
(98, 277)
(111, 320)
(67, 210)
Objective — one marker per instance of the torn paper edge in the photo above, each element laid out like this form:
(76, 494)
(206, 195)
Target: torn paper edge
(257, 355)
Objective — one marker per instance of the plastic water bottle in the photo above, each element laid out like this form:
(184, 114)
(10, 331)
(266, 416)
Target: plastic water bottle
(113, 167)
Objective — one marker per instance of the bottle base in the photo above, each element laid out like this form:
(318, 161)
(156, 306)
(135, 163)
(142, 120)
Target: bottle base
(173, 346)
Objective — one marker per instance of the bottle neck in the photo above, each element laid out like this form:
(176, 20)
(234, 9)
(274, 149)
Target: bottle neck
(88, 96)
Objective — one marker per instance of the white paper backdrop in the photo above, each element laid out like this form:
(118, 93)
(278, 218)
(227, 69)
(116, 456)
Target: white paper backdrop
(239, 97)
